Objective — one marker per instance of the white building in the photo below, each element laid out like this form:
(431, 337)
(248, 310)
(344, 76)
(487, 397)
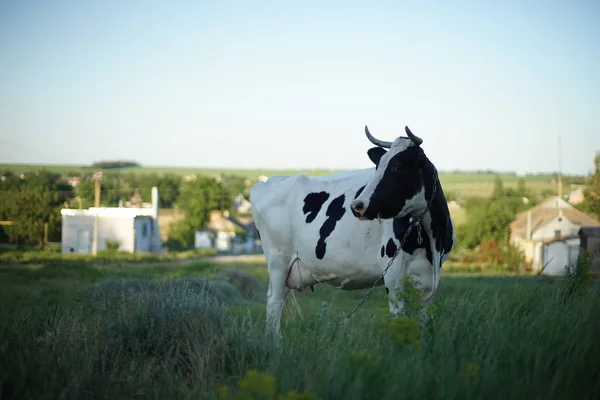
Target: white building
(548, 234)
(135, 228)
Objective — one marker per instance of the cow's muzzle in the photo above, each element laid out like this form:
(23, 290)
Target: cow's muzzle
(358, 209)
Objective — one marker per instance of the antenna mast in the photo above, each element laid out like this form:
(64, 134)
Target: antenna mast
(559, 168)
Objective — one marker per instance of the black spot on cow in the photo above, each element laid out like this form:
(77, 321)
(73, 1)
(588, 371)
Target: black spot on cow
(312, 205)
(390, 248)
(334, 213)
(411, 244)
(359, 191)
(382, 251)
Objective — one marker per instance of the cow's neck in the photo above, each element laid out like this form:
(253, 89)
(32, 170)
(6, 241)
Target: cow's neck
(438, 210)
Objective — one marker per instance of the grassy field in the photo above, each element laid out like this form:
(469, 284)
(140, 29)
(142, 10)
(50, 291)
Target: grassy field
(150, 331)
(464, 184)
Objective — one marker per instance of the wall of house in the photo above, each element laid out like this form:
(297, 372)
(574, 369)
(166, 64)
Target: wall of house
(546, 231)
(593, 246)
(78, 233)
(557, 255)
(143, 234)
(537, 256)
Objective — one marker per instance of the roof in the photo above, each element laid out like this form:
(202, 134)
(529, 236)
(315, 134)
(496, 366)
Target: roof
(555, 240)
(124, 212)
(547, 211)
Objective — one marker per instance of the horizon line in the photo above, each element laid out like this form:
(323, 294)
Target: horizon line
(257, 169)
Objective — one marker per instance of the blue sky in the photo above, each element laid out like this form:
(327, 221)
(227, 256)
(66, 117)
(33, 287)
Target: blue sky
(487, 85)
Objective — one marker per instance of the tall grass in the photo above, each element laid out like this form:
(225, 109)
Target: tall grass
(193, 337)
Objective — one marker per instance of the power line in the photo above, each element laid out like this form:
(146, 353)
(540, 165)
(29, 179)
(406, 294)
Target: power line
(32, 151)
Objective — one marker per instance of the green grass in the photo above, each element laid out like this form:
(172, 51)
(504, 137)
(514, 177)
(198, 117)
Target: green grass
(151, 331)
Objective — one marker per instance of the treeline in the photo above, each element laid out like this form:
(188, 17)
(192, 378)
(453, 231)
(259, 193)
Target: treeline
(32, 202)
(115, 164)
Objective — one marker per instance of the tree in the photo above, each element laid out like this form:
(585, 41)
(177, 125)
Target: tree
(30, 209)
(168, 188)
(197, 199)
(32, 201)
(488, 219)
(591, 204)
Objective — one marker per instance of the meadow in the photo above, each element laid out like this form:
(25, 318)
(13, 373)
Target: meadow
(196, 330)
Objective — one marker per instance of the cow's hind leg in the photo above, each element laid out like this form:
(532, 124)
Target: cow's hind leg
(276, 293)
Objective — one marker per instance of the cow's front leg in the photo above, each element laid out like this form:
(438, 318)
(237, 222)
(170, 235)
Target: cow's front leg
(276, 295)
(423, 275)
(394, 285)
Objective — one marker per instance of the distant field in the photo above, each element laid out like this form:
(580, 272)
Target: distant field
(464, 184)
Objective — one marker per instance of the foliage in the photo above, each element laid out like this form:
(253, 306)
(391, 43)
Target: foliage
(31, 203)
(112, 245)
(591, 204)
(198, 198)
(181, 338)
(260, 385)
(578, 279)
(489, 219)
(181, 236)
(114, 164)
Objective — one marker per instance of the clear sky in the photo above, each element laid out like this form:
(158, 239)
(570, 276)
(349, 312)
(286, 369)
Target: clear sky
(487, 85)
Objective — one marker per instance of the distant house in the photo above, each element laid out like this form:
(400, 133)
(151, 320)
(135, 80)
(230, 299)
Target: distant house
(241, 205)
(548, 234)
(135, 229)
(221, 233)
(576, 196)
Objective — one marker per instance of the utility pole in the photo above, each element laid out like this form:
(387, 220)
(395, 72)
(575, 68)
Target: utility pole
(97, 178)
(559, 180)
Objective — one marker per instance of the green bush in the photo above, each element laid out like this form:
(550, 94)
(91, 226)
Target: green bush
(112, 245)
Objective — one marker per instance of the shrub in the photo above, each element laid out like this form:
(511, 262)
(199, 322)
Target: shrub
(577, 279)
(112, 245)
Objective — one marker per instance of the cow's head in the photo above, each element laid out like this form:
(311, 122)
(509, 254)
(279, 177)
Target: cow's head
(402, 183)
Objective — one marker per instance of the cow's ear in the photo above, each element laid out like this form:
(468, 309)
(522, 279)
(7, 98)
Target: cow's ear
(375, 154)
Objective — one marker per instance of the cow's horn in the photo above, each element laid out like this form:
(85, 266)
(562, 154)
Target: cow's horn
(377, 142)
(416, 140)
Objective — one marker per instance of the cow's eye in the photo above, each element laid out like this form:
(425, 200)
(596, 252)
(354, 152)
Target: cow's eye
(396, 168)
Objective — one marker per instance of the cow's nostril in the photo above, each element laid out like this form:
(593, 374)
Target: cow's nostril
(358, 206)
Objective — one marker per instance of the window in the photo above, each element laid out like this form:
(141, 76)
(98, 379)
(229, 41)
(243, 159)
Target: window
(145, 230)
(557, 234)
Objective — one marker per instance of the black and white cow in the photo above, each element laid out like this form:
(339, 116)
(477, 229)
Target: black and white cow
(343, 229)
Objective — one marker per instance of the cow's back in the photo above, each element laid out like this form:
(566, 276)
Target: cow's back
(271, 202)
